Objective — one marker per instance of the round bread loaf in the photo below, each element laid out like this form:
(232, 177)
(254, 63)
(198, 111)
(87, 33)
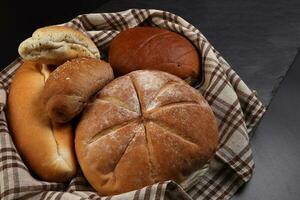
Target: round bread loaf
(154, 48)
(70, 86)
(57, 44)
(46, 147)
(142, 128)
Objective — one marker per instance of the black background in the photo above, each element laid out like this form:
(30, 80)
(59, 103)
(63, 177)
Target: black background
(18, 19)
(258, 38)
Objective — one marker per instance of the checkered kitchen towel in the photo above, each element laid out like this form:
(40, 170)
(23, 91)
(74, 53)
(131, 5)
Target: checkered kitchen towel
(235, 106)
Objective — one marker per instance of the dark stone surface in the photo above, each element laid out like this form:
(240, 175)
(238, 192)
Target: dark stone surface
(276, 146)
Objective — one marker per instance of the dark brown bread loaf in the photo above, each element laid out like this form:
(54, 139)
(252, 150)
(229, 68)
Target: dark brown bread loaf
(70, 86)
(154, 48)
(142, 128)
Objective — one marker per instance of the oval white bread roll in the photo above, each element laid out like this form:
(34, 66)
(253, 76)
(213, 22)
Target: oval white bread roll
(57, 44)
(46, 147)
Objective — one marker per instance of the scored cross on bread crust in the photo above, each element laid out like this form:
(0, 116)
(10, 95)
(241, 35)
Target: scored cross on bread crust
(144, 127)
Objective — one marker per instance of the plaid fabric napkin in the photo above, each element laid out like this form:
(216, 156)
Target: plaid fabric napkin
(235, 106)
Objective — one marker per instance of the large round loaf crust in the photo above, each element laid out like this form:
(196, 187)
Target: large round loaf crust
(156, 49)
(142, 128)
(46, 147)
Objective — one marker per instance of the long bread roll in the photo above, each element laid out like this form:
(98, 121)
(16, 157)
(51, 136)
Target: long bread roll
(46, 147)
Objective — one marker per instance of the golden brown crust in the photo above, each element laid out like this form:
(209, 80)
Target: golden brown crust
(70, 86)
(154, 48)
(163, 129)
(46, 147)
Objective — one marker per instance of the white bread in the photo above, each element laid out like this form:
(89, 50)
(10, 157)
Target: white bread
(144, 127)
(46, 147)
(57, 44)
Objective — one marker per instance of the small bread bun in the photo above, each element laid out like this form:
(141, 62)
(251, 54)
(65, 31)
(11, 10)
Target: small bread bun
(71, 85)
(154, 48)
(45, 146)
(57, 44)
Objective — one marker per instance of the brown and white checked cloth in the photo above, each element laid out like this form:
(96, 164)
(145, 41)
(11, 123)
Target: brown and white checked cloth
(235, 106)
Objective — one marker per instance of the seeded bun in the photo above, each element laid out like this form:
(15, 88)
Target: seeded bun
(57, 44)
